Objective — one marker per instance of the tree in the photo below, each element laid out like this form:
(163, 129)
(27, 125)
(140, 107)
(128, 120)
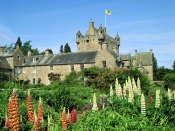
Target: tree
(174, 66)
(61, 49)
(18, 42)
(35, 51)
(154, 67)
(67, 48)
(26, 47)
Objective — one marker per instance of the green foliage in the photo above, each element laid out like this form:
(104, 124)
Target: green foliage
(26, 47)
(54, 77)
(61, 49)
(67, 48)
(169, 81)
(73, 79)
(162, 71)
(173, 66)
(18, 42)
(154, 67)
(103, 77)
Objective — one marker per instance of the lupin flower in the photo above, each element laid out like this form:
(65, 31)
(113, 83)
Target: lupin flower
(30, 108)
(64, 120)
(13, 114)
(130, 99)
(134, 86)
(111, 91)
(149, 98)
(157, 105)
(73, 115)
(40, 112)
(138, 86)
(143, 105)
(35, 126)
(169, 95)
(119, 91)
(94, 106)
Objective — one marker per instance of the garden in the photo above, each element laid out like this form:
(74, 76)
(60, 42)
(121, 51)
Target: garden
(95, 99)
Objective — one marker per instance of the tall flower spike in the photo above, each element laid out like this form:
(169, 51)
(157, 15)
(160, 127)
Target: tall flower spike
(94, 106)
(73, 115)
(30, 108)
(157, 105)
(134, 86)
(169, 95)
(64, 120)
(116, 85)
(138, 86)
(119, 91)
(40, 112)
(13, 114)
(111, 91)
(143, 105)
(35, 126)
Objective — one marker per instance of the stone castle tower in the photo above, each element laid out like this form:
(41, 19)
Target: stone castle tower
(96, 40)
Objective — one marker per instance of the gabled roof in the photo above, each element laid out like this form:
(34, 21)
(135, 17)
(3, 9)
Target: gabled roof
(126, 56)
(29, 60)
(62, 59)
(4, 63)
(70, 58)
(144, 57)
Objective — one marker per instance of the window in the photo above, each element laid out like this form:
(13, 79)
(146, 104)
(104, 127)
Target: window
(33, 81)
(81, 66)
(18, 57)
(72, 67)
(34, 59)
(104, 64)
(51, 68)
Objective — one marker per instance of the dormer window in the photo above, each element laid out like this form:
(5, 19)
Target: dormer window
(34, 59)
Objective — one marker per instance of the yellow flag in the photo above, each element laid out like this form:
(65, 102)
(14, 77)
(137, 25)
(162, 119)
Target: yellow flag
(108, 12)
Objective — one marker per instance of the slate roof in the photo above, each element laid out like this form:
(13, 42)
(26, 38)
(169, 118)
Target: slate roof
(6, 53)
(4, 64)
(126, 56)
(68, 58)
(29, 60)
(145, 57)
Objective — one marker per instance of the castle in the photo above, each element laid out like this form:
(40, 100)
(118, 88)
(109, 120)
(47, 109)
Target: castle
(95, 48)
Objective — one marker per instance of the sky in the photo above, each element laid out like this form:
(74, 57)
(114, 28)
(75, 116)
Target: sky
(141, 24)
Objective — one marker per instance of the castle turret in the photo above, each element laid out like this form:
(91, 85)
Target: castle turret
(101, 33)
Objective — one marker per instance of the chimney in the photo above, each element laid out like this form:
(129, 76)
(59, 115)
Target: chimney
(151, 51)
(17, 46)
(48, 52)
(104, 28)
(29, 53)
(135, 52)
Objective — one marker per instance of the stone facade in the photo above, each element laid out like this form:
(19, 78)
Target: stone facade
(95, 48)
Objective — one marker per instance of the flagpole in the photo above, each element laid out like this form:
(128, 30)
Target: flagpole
(105, 18)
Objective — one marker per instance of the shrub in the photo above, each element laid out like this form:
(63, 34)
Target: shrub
(169, 81)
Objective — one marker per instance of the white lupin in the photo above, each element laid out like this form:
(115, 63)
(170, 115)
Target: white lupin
(169, 95)
(138, 87)
(111, 91)
(134, 86)
(143, 105)
(94, 106)
(157, 104)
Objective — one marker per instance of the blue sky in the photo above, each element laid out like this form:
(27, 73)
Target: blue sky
(142, 24)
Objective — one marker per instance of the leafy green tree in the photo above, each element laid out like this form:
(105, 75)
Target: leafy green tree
(174, 66)
(18, 42)
(162, 71)
(67, 48)
(26, 47)
(154, 67)
(35, 51)
(61, 49)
